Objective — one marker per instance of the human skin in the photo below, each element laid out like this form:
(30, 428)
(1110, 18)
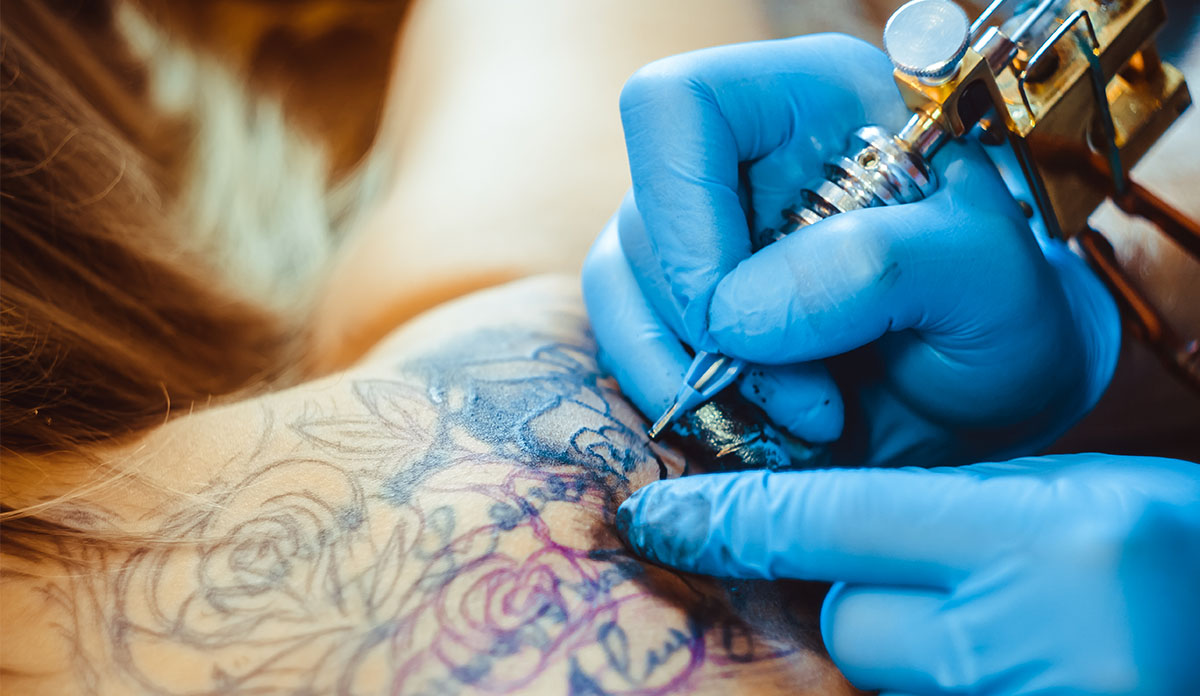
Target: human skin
(503, 131)
(68, 621)
(437, 519)
(354, 534)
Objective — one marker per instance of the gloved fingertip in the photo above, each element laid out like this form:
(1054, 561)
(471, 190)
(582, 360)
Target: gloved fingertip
(664, 527)
(624, 521)
(757, 313)
(802, 399)
(824, 418)
(742, 321)
(828, 606)
(629, 519)
(821, 422)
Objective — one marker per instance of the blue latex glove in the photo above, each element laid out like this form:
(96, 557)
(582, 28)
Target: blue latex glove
(1075, 574)
(980, 343)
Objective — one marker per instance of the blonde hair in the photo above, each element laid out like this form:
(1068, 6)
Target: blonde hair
(107, 320)
(164, 228)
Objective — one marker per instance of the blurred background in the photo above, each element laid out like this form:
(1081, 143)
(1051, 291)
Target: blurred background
(494, 132)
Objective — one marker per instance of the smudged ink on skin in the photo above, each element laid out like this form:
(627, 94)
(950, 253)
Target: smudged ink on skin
(672, 534)
(729, 433)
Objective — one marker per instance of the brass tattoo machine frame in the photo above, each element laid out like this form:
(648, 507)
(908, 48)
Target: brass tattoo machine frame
(1077, 91)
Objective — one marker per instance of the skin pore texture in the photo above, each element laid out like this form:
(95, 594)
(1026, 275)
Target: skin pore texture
(437, 520)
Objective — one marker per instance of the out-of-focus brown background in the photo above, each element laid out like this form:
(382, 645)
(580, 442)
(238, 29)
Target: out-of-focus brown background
(329, 61)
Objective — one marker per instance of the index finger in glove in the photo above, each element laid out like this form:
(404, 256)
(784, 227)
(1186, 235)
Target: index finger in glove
(878, 526)
(947, 265)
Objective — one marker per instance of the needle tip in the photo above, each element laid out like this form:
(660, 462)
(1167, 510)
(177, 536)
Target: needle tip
(662, 421)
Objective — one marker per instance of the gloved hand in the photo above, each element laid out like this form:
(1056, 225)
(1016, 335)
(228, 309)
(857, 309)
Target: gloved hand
(1066, 574)
(979, 342)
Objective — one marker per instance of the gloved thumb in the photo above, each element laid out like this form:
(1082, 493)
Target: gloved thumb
(847, 280)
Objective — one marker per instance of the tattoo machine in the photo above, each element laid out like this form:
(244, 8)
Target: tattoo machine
(1076, 91)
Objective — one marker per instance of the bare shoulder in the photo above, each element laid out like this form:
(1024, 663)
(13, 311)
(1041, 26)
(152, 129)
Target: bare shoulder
(435, 521)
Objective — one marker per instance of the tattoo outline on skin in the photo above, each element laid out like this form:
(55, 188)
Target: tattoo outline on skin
(391, 571)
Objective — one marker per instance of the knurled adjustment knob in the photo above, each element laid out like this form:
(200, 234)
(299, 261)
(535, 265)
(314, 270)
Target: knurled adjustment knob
(927, 39)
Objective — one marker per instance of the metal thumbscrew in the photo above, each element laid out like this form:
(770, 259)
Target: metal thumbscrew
(927, 39)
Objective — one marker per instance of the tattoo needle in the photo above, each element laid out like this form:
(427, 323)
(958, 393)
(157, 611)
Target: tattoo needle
(708, 374)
